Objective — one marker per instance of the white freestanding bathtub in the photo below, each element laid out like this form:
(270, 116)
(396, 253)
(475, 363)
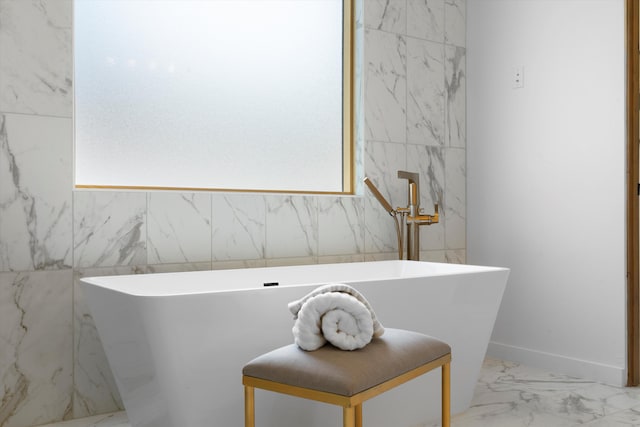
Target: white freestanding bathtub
(177, 342)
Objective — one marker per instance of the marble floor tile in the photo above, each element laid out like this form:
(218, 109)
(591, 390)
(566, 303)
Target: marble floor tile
(117, 419)
(629, 417)
(506, 416)
(513, 395)
(508, 390)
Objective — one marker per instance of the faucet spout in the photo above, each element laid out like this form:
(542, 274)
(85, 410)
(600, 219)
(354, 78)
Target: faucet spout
(413, 196)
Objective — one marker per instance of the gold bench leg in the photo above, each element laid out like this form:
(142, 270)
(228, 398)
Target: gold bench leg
(348, 416)
(358, 409)
(446, 395)
(249, 407)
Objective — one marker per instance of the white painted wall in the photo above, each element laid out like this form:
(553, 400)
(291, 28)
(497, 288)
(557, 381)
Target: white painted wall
(546, 178)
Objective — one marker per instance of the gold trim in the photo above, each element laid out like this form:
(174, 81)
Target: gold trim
(305, 393)
(349, 417)
(633, 210)
(204, 189)
(446, 394)
(249, 405)
(348, 83)
(358, 415)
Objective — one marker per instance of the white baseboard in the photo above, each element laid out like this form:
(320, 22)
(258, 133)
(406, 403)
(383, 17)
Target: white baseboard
(598, 372)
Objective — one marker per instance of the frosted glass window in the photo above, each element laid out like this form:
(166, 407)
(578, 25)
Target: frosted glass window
(238, 95)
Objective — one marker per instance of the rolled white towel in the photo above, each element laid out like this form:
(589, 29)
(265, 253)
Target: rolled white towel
(335, 313)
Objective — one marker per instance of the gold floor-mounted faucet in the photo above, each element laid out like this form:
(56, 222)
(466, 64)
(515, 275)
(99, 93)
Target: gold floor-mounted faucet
(411, 217)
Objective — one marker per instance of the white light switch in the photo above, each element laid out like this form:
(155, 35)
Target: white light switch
(517, 77)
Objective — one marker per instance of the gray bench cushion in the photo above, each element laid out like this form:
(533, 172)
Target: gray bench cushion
(348, 372)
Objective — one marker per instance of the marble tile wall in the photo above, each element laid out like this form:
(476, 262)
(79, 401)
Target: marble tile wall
(415, 118)
(52, 366)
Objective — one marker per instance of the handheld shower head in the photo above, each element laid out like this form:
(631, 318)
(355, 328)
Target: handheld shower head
(379, 196)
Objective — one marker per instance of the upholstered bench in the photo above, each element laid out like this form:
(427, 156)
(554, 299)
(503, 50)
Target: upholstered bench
(348, 378)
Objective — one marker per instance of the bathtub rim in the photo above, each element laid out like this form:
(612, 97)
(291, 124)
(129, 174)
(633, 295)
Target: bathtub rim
(149, 284)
